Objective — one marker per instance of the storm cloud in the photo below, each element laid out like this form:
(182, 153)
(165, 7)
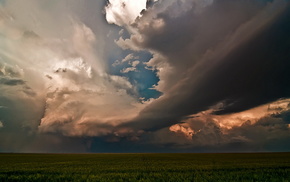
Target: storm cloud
(242, 65)
(146, 76)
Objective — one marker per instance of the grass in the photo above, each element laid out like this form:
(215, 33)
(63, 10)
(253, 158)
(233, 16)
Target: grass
(145, 167)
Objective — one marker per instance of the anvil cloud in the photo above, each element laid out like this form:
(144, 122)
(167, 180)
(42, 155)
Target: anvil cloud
(144, 76)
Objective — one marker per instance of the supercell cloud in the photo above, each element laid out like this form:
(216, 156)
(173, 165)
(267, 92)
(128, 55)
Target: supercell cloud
(144, 76)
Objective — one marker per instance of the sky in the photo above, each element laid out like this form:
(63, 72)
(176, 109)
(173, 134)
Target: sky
(144, 76)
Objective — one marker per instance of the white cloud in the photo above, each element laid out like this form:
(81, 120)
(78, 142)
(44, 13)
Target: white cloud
(183, 129)
(252, 127)
(127, 70)
(135, 63)
(83, 99)
(132, 43)
(124, 12)
(75, 94)
(228, 122)
(116, 63)
(132, 68)
(127, 58)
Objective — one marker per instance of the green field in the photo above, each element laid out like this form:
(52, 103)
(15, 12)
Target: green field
(145, 167)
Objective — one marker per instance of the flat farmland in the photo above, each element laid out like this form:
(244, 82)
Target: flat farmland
(145, 167)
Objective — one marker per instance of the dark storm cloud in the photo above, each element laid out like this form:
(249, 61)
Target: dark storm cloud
(29, 91)
(11, 82)
(209, 55)
(230, 53)
(11, 77)
(149, 4)
(270, 133)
